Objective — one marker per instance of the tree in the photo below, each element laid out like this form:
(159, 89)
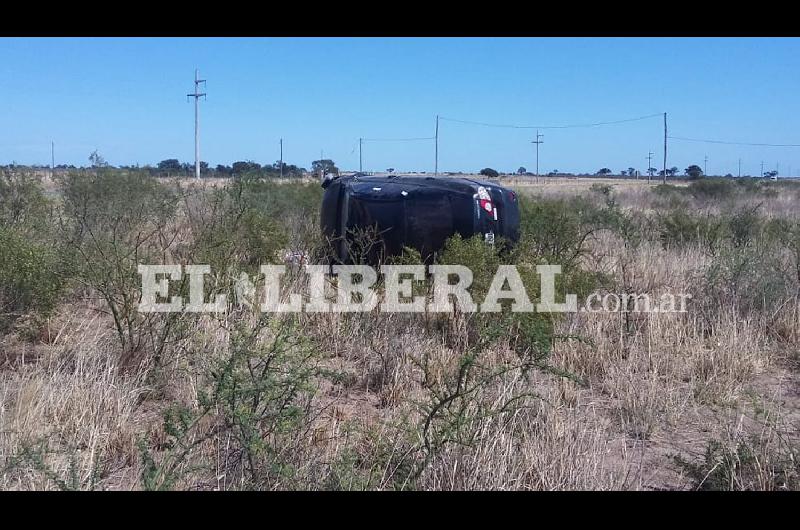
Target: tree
(247, 166)
(97, 159)
(770, 174)
(279, 168)
(390, 170)
(632, 172)
(489, 172)
(521, 170)
(672, 171)
(604, 171)
(324, 166)
(289, 170)
(694, 171)
(170, 164)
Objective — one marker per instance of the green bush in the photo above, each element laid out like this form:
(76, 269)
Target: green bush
(667, 190)
(474, 253)
(712, 188)
(112, 222)
(23, 204)
(276, 199)
(679, 228)
(670, 197)
(258, 395)
(530, 334)
(603, 189)
(556, 230)
(28, 277)
(754, 463)
(748, 277)
(745, 226)
(252, 219)
(786, 233)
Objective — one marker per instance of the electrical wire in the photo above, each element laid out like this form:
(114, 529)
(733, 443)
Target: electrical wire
(397, 139)
(730, 143)
(597, 124)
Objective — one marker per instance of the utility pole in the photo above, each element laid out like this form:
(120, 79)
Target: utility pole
(740, 168)
(360, 160)
(649, 166)
(537, 142)
(281, 162)
(762, 169)
(52, 159)
(436, 160)
(197, 95)
(705, 165)
(665, 148)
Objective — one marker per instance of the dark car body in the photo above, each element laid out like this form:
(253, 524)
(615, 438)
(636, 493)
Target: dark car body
(418, 212)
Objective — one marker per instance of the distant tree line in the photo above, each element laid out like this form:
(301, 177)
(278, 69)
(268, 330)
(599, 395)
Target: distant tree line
(172, 166)
(323, 167)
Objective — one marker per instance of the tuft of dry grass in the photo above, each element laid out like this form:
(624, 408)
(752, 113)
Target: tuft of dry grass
(70, 413)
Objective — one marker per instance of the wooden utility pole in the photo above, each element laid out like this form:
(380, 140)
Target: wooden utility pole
(649, 166)
(281, 161)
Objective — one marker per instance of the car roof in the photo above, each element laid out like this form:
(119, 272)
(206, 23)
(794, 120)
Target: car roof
(441, 182)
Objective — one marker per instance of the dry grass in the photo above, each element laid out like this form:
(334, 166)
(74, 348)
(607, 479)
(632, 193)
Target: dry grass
(74, 408)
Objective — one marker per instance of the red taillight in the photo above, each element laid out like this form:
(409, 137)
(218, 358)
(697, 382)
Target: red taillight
(486, 204)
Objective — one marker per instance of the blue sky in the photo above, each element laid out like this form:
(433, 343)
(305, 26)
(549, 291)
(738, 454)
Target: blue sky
(127, 99)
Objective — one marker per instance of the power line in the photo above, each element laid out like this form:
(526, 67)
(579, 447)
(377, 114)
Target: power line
(597, 124)
(731, 143)
(397, 139)
(362, 140)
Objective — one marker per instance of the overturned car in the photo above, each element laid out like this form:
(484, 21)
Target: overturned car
(367, 218)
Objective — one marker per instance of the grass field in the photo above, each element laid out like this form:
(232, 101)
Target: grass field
(94, 395)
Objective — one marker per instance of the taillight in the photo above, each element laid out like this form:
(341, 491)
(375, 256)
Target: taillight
(484, 200)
